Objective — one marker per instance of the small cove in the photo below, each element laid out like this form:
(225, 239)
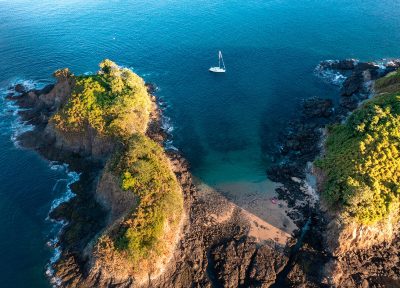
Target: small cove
(226, 125)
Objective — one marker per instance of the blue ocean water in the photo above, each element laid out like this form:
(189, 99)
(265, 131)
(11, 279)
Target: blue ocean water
(224, 124)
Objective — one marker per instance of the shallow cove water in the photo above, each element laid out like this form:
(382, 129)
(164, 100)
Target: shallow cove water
(225, 124)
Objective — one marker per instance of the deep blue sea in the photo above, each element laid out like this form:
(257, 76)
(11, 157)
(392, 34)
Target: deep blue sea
(224, 124)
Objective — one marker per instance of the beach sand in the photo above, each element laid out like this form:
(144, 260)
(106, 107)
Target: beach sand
(268, 220)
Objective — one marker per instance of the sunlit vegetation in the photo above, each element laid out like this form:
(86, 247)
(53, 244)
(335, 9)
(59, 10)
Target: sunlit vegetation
(145, 172)
(388, 84)
(362, 160)
(113, 102)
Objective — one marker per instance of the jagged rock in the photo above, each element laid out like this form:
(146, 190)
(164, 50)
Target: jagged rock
(45, 90)
(352, 84)
(376, 266)
(362, 66)
(392, 65)
(346, 64)
(281, 172)
(20, 88)
(317, 107)
(243, 263)
(349, 103)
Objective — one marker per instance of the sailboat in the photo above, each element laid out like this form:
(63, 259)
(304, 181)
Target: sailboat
(219, 69)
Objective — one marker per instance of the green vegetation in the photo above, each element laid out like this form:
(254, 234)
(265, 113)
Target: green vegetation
(114, 102)
(362, 160)
(145, 171)
(388, 84)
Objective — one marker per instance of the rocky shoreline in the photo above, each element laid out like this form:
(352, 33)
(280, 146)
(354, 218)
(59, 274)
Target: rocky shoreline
(313, 265)
(215, 249)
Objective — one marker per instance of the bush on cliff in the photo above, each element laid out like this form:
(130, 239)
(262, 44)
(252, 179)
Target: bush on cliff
(114, 102)
(389, 84)
(362, 162)
(145, 171)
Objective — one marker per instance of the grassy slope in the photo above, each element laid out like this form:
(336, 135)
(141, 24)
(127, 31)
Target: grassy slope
(115, 102)
(362, 160)
(145, 171)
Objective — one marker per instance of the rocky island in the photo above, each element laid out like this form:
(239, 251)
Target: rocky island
(139, 219)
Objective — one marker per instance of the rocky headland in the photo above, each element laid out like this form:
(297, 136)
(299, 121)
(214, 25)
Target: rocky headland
(206, 244)
(336, 249)
(205, 240)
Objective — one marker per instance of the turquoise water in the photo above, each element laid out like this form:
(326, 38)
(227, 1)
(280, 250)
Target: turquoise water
(224, 124)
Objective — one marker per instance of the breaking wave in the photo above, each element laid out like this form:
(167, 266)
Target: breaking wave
(329, 75)
(72, 177)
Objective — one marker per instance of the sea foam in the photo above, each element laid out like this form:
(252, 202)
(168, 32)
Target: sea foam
(11, 122)
(58, 225)
(329, 75)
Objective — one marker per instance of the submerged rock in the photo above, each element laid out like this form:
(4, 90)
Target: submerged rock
(317, 107)
(346, 64)
(313, 265)
(20, 88)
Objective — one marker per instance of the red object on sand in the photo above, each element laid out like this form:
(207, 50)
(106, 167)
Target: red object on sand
(273, 200)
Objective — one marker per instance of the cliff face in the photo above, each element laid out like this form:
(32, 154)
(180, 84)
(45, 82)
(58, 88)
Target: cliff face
(336, 251)
(364, 254)
(205, 249)
(42, 104)
(112, 197)
(343, 237)
(88, 144)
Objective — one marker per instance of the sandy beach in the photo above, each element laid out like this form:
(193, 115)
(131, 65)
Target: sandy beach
(258, 203)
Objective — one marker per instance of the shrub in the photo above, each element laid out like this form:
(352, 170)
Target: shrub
(144, 170)
(362, 161)
(114, 102)
(389, 84)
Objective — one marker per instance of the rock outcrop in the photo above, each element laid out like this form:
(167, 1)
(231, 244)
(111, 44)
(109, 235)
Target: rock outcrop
(332, 254)
(214, 248)
(211, 230)
(359, 251)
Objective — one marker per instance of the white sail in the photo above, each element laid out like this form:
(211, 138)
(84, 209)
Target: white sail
(221, 60)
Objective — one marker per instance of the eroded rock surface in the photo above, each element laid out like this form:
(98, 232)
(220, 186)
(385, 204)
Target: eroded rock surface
(211, 221)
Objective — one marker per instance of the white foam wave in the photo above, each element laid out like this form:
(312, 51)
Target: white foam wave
(11, 121)
(9, 112)
(57, 166)
(170, 146)
(329, 75)
(50, 272)
(18, 129)
(59, 225)
(68, 195)
(166, 124)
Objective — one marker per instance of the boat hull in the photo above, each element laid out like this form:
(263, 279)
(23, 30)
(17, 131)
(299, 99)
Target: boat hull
(217, 70)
